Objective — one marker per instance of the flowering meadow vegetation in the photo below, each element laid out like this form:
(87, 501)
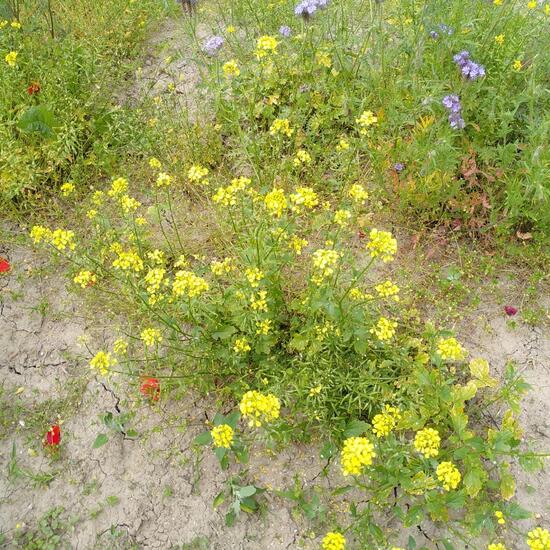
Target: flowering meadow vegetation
(249, 247)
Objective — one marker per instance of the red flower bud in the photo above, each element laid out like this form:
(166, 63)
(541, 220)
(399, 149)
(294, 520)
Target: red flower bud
(4, 265)
(150, 388)
(33, 88)
(53, 436)
(510, 310)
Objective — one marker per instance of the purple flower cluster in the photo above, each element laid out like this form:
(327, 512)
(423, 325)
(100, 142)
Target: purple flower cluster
(399, 167)
(306, 8)
(443, 29)
(212, 45)
(452, 104)
(469, 69)
(285, 31)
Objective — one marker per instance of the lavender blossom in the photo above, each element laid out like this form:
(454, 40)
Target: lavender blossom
(434, 35)
(212, 45)
(456, 121)
(285, 31)
(399, 167)
(468, 68)
(307, 8)
(446, 29)
(462, 58)
(452, 103)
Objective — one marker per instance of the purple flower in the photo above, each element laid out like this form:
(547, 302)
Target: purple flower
(468, 68)
(212, 45)
(434, 35)
(306, 8)
(452, 103)
(445, 29)
(399, 167)
(456, 121)
(461, 58)
(285, 31)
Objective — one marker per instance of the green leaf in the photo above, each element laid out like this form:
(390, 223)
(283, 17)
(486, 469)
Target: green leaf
(247, 491)
(219, 419)
(112, 500)
(411, 543)
(342, 490)
(473, 481)
(356, 428)
(328, 450)
(100, 440)
(224, 333)
(230, 518)
(531, 463)
(248, 505)
(219, 499)
(507, 482)
(233, 418)
(205, 438)
(38, 120)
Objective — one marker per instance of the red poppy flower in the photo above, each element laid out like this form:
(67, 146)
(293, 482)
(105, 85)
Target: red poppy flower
(53, 436)
(4, 265)
(33, 88)
(150, 388)
(510, 310)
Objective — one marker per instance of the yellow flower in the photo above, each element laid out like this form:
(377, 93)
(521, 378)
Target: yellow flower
(341, 217)
(11, 59)
(39, 234)
(315, 391)
(230, 29)
(450, 350)
(155, 163)
(231, 68)
(154, 278)
(150, 336)
(382, 244)
(85, 278)
(140, 221)
(128, 260)
(15, 24)
(324, 262)
(67, 189)
(62, 239)
(297, 244)
(102, 361)
(384, 329)
(259, 408)
(387, 289)
(496, 546)
(120, 347)
(449, 475)
(334, 541)
(500, 517)
(241, 345)
(197, 174)
(517, 65)
(264, 327)
(499, 39)
(222, 436)
(532, 4)
(186, 282)
(266, 45)
(366, 120)
(254, 276)
(259, 302)
(275, 202)
(303, 197)
(342, 145)
(538, 539)
(358, 193)
(163, 180)
(302, 157)
(223, 267)
(227, 196)
(383, 423)
(323, 59)
(118, 187)
(281, 126)
(97, 197)
(129, 204)
(357, 453)
(156, 256)
(91, 214)
(497, 2)
(427, 442)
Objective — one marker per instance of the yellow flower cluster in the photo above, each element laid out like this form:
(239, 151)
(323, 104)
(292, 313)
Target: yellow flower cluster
(387, 289)
(266, 45)
(384, 329)
(382, 244)
(154, 278)
(67, 189)
(303, 197)
(222, 436)
(231, 68)
(156, 256)
(254, 276)
(357, 453)
(102, 361)
(127, 260)
(323, 59)
(324, 262)
(129, 204)
(383, 423)
(163, 180)
(259, 408)
(275, 202)
(155, 163)
(186, 282)
(538, 539)
(281, 126)
(241, 345)
(59, 238)
(496, 546)
(342, 145)
(119, 186)
(450, 349)
(302, 157)
(358, 193)
(334, 541)
(11, 59)
(222, 267)
(227, 196)
(500, 517)
(264, 327)
(449, 475)
(150, 336)
(39, 234)
(85, 278)
(427, 442)
(120, 347)
(297, 244)
(341, 217)
(197, 174)
(366, 120)
(258, 302)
